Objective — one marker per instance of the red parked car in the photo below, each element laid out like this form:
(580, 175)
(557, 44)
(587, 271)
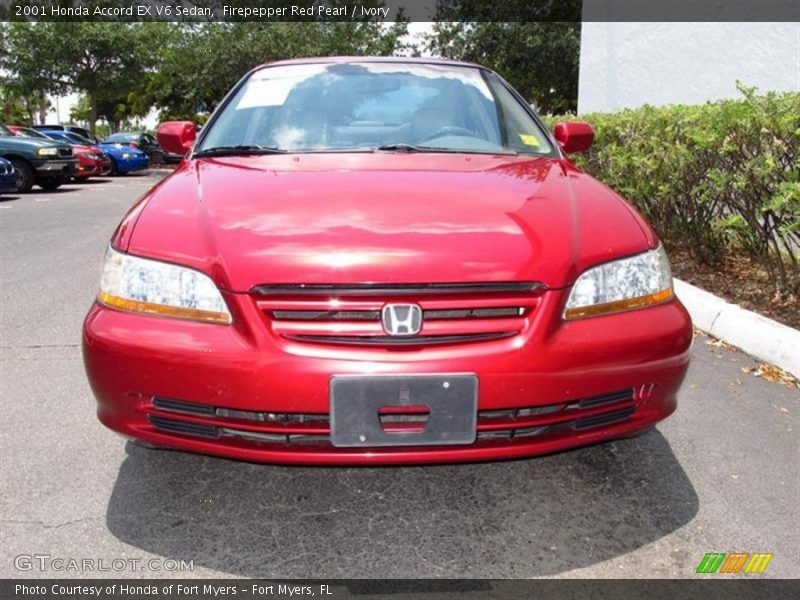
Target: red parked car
(379, 261)
(92, 162)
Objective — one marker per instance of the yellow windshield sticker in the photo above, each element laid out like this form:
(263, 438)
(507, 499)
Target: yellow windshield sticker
(529, 140)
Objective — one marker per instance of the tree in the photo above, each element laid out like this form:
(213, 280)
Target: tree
(205, 61)
(124, 69)
(119, 113)
(18, 109)
(25, 85)
(105, 61)
(540, 59)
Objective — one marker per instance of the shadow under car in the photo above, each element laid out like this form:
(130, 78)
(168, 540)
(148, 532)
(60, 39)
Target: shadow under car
(519, 518)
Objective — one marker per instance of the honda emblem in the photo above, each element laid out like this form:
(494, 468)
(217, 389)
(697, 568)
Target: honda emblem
(401, 319)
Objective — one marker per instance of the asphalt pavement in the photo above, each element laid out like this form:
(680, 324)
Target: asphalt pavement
(720, 475)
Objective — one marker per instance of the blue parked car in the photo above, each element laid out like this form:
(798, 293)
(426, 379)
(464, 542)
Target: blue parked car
(8, 177)
(124, 159)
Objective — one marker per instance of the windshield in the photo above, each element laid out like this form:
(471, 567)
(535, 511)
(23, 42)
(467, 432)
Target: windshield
(121, 137)
(28, 132)
(5, 131)
(373, 106)
(74, 138)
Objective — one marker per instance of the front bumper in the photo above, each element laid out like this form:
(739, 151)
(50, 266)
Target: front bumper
(93, 168)
(547, 389)
(56, 167)
(128, 165)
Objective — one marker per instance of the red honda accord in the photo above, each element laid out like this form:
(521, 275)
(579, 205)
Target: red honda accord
(380, 261)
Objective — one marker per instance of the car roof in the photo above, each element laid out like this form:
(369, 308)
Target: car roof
(372, 59)
(65, 128)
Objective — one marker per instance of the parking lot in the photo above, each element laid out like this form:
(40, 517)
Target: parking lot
(721, 475)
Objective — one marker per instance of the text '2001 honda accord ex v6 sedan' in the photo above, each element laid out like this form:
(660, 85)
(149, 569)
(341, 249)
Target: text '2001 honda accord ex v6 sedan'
(382, 261)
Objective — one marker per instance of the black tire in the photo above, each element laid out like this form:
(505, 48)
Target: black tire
(113, 172)
(48, 185)
(26, 176)
(157, 157)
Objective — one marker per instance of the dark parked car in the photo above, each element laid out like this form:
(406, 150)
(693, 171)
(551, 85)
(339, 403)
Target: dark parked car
(124, 159)
(45, 163)
(82, 131)
(8, 177)
(146, 143)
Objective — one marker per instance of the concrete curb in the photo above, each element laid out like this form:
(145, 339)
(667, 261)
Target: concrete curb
(759, 336)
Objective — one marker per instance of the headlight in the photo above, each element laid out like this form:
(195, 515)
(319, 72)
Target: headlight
(127, 155)
(47, 152)
(88, 155)
(148, 286)
(635, 282)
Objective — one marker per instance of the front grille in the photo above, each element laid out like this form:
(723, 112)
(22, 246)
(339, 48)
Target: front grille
(374, 315)
(602, 400)
(474, 313)
(451, 312)
(261, 427)
(605, 418)
(415, 340)
(182, 427)
(554, 418)
(189, 408)
(398, 289)
(274, 438)
(326, 315)
(65, 152)
(206, 410)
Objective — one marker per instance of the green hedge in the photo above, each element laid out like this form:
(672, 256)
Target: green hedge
(711, 178)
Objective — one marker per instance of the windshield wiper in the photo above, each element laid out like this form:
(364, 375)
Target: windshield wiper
(240, 150)
(403, 147)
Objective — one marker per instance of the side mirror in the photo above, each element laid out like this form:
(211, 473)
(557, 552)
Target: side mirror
(176, 136)
(574, 136)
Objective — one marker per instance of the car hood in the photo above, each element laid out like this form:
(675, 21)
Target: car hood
(382, 218)
(26, 143)
(115, 149)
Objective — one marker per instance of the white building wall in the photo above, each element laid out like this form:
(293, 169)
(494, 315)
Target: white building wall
(625, 65)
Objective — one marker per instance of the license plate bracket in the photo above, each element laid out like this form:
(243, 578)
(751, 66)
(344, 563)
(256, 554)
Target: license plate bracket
(359, 404)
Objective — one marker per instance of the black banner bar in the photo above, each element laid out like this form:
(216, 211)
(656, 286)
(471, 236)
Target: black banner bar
(703, 588)
(393, 10)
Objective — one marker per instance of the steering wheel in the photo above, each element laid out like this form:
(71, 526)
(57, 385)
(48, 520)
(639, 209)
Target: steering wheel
(448, 130)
